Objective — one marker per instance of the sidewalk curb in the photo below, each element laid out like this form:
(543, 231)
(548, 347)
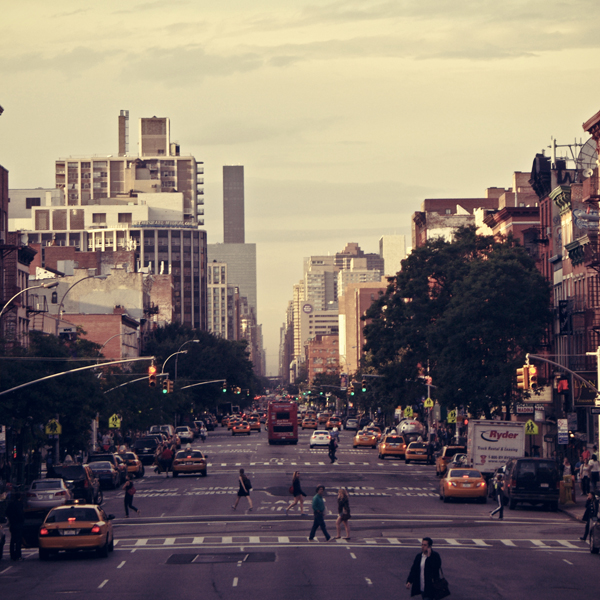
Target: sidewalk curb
(569, 513)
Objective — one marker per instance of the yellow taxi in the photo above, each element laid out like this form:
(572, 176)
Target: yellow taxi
(334, 422)
(392, 445)
(416, 451)
(254, 423)
(241, 428)
(309, 423)
(448, 453)
(225, 421)
(463, 483)
(133, 463)
(374, 429)
(322, 418)
(189, 461)
(365, 438)
(233, 421)
(76, 527)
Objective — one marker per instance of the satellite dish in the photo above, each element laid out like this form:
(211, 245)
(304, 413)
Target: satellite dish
(588, 172)
(588, 157)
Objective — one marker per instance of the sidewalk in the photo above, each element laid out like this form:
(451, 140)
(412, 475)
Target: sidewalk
(573, 509)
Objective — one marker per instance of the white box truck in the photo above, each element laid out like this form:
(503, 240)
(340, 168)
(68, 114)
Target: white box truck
(491, 444)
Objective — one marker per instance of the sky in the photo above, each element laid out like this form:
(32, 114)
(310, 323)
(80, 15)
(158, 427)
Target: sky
(345, 114)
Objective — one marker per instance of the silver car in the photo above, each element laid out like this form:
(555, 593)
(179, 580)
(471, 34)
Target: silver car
(48, 493)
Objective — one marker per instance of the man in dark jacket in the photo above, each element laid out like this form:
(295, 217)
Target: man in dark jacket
(591, 508)
(16, 517)
(424, 571)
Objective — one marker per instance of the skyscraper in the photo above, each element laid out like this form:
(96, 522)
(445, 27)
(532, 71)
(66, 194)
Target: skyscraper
(233, 204)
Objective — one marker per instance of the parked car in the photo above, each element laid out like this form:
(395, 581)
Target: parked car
(80, 479)
(532, 480)
(114, 459)
(44, 494)
(145, 448)
(106, 473)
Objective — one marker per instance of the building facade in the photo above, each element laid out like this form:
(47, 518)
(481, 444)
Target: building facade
(233, 205)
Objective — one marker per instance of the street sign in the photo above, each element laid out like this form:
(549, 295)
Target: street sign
(408, 412)
(451, 416)
(531, 428)
(524, 409)
(563, 431)
(595, 411)
(53, 427)
(428, 403)
(115, 422)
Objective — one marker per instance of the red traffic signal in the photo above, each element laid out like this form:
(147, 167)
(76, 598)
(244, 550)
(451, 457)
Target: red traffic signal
(152, 376)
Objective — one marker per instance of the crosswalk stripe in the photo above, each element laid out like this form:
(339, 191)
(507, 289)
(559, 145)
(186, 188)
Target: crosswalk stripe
(393, 540)
(283, 539)
(198, 541)
(254, 540)
(141, 542)
(539, 544)
(480, 543)
(566, 544)
(508, 543)
(169, 542)
(454, 542)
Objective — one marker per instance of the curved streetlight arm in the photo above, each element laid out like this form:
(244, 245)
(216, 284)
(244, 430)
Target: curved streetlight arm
(172, 355)
(60, 306)
(33, 287)
(180, 347)
(112, 337)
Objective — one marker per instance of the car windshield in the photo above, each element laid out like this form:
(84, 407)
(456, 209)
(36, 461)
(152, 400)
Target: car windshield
(188, 454)
(128, 456)
(146, 443)
(393, 440)
(464, 473)
(452, 451)
(47, 484)
(182, 429)
(79, 514)
(100, 466)
(417, 445)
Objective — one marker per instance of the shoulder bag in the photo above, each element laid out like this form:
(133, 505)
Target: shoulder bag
(440, 587)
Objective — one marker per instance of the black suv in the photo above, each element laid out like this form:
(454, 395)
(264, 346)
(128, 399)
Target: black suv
(115, 460)
(81, 480)
(145, 449)
(532, 480)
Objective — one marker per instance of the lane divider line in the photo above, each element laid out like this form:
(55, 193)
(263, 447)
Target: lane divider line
(103, 584)
(121, 565)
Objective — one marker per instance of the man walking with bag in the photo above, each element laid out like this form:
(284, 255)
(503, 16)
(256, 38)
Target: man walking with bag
(424, 577)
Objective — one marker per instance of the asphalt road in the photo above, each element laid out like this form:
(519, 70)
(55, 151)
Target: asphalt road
(189, 543)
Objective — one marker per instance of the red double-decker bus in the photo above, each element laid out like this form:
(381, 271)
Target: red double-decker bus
(282, 422)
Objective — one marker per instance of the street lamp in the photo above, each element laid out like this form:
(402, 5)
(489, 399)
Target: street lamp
(180, 347)
(47, 286)
(112, 337)
(60, 306)
(168, 357)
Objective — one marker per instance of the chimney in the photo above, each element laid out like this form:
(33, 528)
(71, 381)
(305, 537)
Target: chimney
(123, 133)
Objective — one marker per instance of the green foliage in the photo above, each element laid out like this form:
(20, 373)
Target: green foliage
(472, 308)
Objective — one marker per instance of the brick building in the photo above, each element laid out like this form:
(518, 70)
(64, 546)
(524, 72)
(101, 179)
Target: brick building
(322, 355)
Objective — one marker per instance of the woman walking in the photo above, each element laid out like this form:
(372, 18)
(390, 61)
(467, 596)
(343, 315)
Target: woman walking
(129, 493)
(244, 490)
(584, 477)
(594, 472)
(297, 492)
(343, 514)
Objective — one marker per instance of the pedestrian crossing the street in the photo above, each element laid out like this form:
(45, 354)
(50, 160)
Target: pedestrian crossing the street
(378, 542)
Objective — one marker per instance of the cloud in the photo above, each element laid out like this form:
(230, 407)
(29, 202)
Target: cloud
(150, 6)
(70, 13)
(73, 62)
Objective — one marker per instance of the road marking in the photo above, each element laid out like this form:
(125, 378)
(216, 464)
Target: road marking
(142, 542)
(539, 544)
(7, 569)
(227, 540)
(169, 542)
(121, 565)
(103, 584)
(283, 540)
(369, 582)
(198, 540)
(393, 540)
(508, 543)
(235, 581)
(254, 540)
(567, 544)
(480, 543)
(568, 562)
(454, 542)
(353, 555)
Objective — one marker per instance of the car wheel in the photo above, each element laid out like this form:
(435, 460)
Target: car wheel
(111, 546)
(446, 499)
(1, 550)
(103, 551)
(593, 548)
(44, 554)
(554, 506)
(441, 497)
(512, 504)
(143, 472)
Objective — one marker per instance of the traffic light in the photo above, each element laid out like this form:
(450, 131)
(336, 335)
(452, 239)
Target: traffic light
(533, 378)
(224, 388)
(237, 390)
(351, 388)
(165, 386)
(364, 386)
(523, 377)
(169, 386)
(152, 376)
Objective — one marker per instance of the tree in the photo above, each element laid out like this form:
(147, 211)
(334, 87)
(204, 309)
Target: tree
(472, 308)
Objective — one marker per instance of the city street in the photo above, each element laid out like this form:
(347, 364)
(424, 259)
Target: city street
(188, 542)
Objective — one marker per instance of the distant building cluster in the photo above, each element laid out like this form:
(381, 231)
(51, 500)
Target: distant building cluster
(553, 212)
(122, 237)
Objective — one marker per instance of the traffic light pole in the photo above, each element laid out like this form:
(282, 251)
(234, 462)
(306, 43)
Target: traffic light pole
(562, 367)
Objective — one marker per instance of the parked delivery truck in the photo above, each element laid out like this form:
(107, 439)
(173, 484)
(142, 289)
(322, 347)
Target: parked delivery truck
(491, 444)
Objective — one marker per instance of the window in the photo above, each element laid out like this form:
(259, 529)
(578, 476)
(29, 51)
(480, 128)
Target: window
(126, 218)
(99, 218)
(42, 220)
(29, 202)
(448, 211)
